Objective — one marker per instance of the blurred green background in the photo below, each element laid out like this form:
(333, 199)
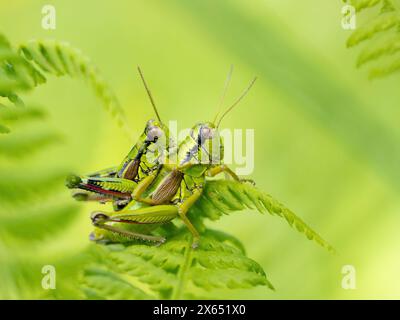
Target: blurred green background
(327, 139)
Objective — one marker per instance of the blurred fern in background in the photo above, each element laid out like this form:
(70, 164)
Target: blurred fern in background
(32, 212)
(378, 35)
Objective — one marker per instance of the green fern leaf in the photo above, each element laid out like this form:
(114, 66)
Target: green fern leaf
(20, 277)
(24, 186)
(384, 70)
(15, 72)
(381, 23)
(16, 115)
(42, 221)
(380, 36)
(379, 50)
(360, 5)
(100, 283)
(28, 215)
(4, 129)
(223, 196)
(172, 271)
(60, 59)
(18, 146)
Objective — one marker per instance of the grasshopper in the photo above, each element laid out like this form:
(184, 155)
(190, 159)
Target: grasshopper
(172, 190)
(117, 183)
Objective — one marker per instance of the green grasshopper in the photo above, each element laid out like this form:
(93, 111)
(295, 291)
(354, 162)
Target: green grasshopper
(172, 190)
(117, 183)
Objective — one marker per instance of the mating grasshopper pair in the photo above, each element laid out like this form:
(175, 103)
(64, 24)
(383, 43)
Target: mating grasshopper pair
(146, 195)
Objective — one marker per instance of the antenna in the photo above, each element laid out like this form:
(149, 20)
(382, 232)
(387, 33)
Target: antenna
(149, 94)
(226, 85)
(237, 101)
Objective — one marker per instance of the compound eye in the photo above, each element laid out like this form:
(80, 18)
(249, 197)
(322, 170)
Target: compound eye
(206, 132)
(154, 133)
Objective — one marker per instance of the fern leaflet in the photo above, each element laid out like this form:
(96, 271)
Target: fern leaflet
(60, 59)
(380, 36)
(224, 196)
(28, 215)
(172, 271)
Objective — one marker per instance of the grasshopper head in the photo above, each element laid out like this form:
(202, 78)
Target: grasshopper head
(154, 131)
(205, 146)
(158, 133)
(203, 131)
(160, 143)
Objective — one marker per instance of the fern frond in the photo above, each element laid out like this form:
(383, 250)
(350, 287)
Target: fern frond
(360, 5)
(60, 59)
(13, 115)
(23, 187)
(4, 129)
(385, 48)
(223, 196)
(16, 73)
(20, 278)
(380, 36)
(173, 270)
(42, 221)
(18, 146)
(385, 70)
(27, 214)
(100, 283)
(383, 22)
